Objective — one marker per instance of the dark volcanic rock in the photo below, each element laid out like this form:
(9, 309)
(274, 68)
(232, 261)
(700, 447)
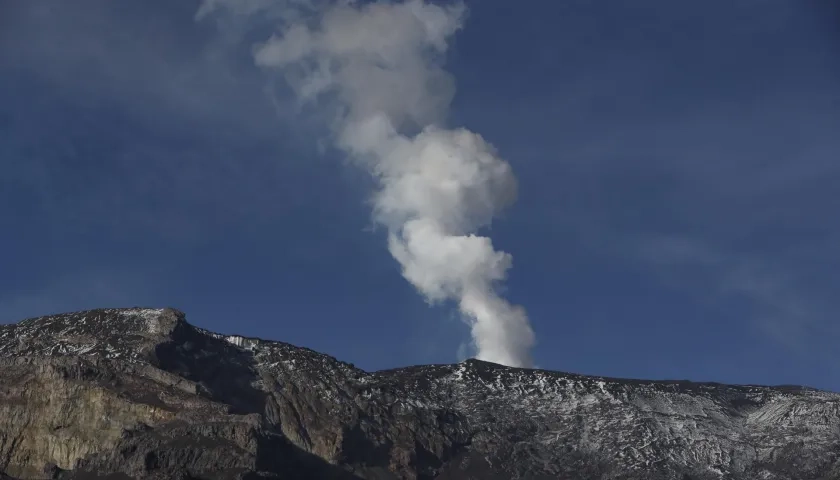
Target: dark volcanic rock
(140, 393)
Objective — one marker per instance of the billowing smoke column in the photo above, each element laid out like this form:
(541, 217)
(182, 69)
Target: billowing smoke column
(379, 63)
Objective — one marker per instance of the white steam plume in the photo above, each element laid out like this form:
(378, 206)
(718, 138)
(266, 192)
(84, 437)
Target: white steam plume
(380, 62)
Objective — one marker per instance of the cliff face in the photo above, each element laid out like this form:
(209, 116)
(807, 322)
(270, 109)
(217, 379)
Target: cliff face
(140, 393)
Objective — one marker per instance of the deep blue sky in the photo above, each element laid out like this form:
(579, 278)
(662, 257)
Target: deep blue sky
(679, 169)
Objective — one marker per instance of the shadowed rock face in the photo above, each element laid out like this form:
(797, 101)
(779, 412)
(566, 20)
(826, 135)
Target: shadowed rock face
(140, 393)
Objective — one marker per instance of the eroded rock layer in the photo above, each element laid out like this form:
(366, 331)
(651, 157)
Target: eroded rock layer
(140, 393)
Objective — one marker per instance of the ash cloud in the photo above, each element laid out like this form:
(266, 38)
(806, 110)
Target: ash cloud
(377, 67)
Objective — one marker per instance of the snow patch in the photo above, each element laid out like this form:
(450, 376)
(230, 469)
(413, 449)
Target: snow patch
(241, 342)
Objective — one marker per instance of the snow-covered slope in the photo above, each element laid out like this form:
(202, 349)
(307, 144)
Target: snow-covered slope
(172, 388)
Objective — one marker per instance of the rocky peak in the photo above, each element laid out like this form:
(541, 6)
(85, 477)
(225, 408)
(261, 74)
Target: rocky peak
(128, 333)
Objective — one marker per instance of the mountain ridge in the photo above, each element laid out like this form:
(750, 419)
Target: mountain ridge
(251, 338)
(168, 392)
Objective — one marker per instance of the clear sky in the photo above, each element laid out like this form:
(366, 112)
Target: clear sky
(678, 166)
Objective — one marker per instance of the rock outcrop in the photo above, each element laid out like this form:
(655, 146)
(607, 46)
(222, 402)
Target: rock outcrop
(140, 393)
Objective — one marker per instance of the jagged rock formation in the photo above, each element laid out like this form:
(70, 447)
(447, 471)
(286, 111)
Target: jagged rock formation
(140, 393)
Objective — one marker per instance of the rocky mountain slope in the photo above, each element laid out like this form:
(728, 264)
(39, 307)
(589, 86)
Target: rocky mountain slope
(140, 393)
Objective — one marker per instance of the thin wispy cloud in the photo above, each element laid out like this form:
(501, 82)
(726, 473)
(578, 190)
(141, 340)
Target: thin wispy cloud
(778, 305)
(135, 120)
